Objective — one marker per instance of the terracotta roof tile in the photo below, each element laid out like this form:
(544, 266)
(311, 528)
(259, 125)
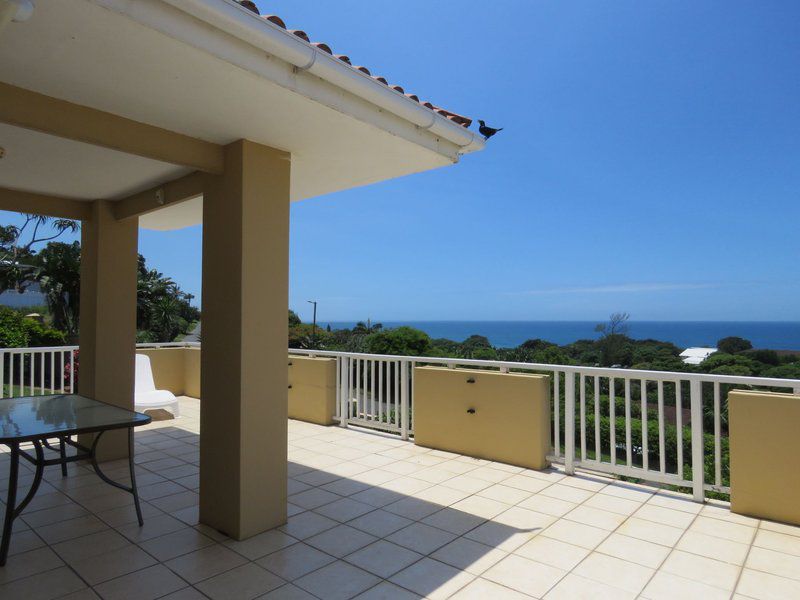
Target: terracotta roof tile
(276, 20)
(323, 46)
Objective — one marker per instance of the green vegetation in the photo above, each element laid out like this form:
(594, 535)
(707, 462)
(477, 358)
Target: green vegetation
(28, 256)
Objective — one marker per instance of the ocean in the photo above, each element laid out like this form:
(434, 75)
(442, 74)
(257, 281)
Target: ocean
(508, 334)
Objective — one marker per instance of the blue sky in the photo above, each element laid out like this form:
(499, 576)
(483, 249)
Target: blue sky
(650, 163)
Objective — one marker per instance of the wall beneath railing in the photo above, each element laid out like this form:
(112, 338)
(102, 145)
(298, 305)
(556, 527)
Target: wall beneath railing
(175, 369)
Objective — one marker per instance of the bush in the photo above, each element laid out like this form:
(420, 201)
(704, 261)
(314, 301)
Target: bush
(13, 330)
(402, 341)
(41, 335)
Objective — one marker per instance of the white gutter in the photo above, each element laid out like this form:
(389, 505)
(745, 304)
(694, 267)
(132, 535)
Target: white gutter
(245, 25)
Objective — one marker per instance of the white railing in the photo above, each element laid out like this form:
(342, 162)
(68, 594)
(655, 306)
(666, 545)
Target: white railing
(48, 370)
(646, 425)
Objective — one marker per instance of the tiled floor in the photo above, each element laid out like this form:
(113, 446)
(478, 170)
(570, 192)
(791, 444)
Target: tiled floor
(374, 517)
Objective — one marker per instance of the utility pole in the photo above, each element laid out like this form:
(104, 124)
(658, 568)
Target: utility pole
(314, 326)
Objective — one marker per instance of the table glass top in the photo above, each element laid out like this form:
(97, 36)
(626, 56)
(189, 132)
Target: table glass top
(31, 417)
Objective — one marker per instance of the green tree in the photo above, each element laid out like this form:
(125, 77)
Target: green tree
(163, 310)
(400, 341)
(59, 275)
(18, 248)
(733, 345)
(293, 318)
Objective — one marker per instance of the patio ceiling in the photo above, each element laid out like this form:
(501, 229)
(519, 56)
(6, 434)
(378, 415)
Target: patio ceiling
(156, 64)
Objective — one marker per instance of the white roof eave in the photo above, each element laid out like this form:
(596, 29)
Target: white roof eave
(246, 26)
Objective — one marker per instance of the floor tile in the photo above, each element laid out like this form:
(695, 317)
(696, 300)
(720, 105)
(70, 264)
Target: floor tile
(96, 569)
(469, 555)
(765, 586)
(432, 579)
(147, 584)
(243, 583)
(383, 558)
(713, 547)
(482, 589)
(666, 586)
(153, 527)
(577, 534)
(734, 532)
(614, 572)
(344, 509)
(386, 590)
(665, 516)
(67, 530)
(337, 581)
(421, 538)
(634, 550)
(287, 592)
(575, 587)
(552, 552)
(380, 523)
(340, 540)
(29, 563)
(595, 517)
(261, 544)
(650, 531)
(205, 563)
(523, 575)
(779, 542)
(174, 544)
(43, 586)
(548, 505)
(703, 569)
(306, 524)
(777, 563)
(295, 561)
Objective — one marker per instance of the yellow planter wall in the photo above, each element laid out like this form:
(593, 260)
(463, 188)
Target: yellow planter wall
(511, 422)
(169, 368)
(312, 389)
(764, 455)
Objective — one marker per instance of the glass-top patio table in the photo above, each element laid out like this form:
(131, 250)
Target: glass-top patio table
(38, 419)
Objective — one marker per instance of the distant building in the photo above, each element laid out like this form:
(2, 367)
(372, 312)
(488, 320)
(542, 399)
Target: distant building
(694, 356)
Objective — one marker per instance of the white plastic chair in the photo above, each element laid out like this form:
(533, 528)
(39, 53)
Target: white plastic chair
(146, 396)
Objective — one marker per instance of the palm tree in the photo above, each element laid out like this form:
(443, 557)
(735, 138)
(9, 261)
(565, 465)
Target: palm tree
(58, 275)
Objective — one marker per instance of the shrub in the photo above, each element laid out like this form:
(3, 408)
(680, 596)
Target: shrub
(13, 332)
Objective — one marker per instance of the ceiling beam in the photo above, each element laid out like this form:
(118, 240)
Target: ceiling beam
(41, 204)
(31, 110)
(184, 188)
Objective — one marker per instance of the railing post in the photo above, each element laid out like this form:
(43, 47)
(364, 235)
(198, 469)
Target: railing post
(698, 458)
(404, 399)
(569, 422)
(344, 396)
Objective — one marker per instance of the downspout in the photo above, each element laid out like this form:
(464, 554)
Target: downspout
(241, 23)
(14, 10)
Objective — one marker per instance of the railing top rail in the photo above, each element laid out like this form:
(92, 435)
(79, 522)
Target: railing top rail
(670, 376)
(74, 347)
(599, 371)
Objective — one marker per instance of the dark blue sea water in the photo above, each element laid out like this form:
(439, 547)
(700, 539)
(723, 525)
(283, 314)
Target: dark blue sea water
(507, 334)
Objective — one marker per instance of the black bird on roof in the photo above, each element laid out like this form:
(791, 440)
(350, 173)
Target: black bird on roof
(487, 131)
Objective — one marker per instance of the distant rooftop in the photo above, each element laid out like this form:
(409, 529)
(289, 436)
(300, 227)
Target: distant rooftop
(696, 355)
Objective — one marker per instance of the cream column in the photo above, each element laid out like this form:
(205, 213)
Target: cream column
(108, 316)
(244, 379)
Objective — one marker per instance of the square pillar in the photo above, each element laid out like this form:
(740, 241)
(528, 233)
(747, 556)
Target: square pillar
(107, 336)
(244, 379)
